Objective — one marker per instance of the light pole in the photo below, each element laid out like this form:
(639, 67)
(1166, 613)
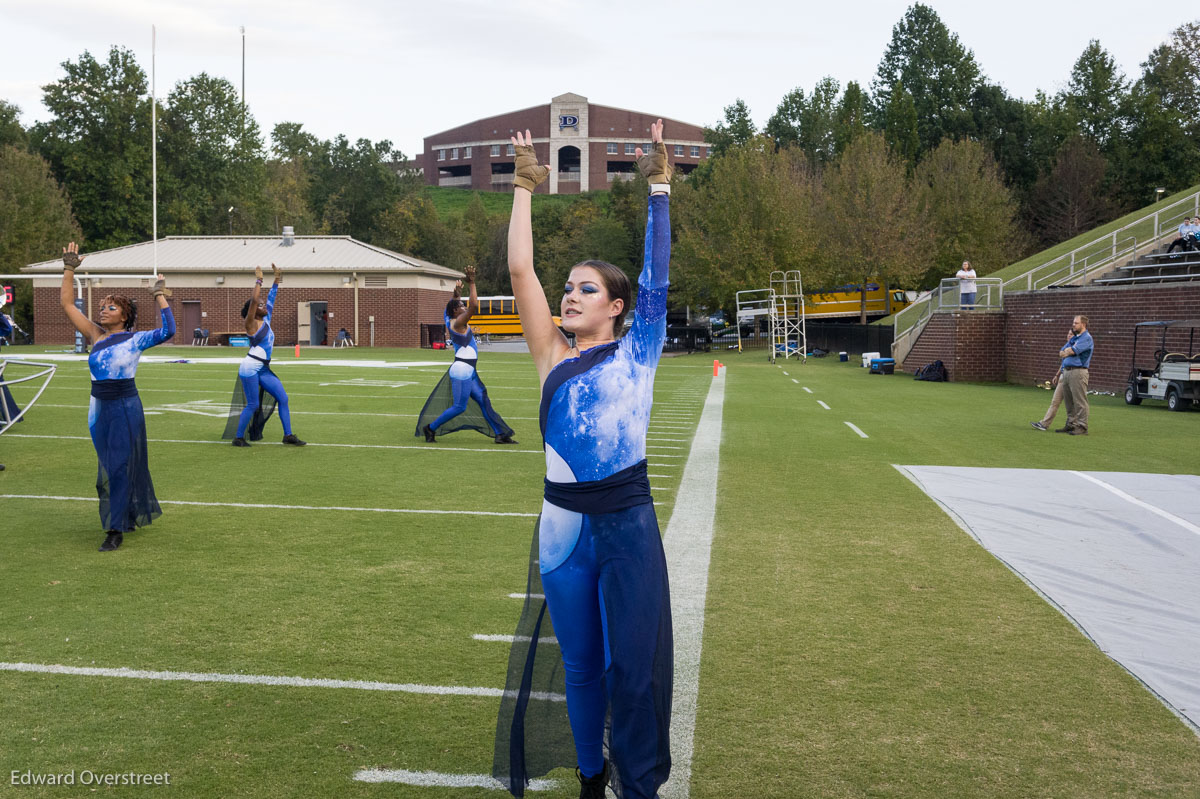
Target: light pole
(231, 210)
(1158, 193)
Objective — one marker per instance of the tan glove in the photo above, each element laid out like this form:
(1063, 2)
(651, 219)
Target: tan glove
(160, 288)
(278, 274)
(258, 273)
(529, 173)
(470, 274)
(654, 165)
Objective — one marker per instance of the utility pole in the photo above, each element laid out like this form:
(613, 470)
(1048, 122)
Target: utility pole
(243, 30)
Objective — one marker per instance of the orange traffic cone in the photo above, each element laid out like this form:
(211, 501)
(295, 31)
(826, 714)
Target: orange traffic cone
(297, 349)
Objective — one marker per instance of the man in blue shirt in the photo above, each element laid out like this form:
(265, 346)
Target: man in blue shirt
(1076, 356)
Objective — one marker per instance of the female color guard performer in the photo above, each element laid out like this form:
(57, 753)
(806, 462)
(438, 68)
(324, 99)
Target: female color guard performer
(598, 554)
(255, 378)
(460, 395)
(115, 417)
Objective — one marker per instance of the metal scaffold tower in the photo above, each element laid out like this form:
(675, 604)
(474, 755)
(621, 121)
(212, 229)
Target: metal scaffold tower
(788, 330)
(753, 304)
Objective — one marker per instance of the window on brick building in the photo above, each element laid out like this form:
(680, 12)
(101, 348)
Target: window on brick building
(695, 151)
(678, 149)
(612, 148)
(510, 150)
(441, 155)
(495, 151)
(467, 152)
(454, 154)
(630, 148)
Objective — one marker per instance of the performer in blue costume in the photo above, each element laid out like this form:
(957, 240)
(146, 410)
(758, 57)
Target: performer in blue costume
(8, 406)
(460, 400)
(115, 417)
(598, 555)
(256, 381)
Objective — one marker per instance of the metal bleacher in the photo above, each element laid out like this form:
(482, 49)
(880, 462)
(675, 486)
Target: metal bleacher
(1159, 267)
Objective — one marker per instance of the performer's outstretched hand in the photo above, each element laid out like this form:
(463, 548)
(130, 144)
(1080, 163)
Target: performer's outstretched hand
(529, 173)
(258, 273)
(71, 257)
(654, 165)
(278, 274)
(160, 288)
(470, 273)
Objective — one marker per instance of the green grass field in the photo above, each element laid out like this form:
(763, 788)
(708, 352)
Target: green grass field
(857, 642)
(451, 202)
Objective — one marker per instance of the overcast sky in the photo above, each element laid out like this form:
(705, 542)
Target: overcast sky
(402, 70)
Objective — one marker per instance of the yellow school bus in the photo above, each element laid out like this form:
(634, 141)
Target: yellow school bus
(847, 301)
(497, 316)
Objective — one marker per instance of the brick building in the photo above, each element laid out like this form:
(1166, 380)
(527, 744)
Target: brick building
(329, 282)
(587, 147)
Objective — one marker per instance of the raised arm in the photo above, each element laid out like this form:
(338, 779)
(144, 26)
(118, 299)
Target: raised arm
(649, 328)
(71, 261)
(251, 321)
(166, 330)
(274, 292)
(546, 342)
(459, 323)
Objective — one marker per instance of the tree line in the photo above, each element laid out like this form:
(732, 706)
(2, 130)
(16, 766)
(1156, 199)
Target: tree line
(897, 182)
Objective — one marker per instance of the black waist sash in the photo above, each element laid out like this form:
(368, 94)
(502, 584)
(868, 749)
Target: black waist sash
(624, 489)
(114, 389)
(264, 361)
(469, 361)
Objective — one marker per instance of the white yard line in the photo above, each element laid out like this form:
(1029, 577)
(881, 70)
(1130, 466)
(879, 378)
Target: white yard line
(261, 679)
(855, 429)
(823, 405)
(1171, 517)
(806, 388)
(508, 639)
(522, 596)
(688, 544)
(57, 498)
(794, 380)
(434, 779)
(425, 447)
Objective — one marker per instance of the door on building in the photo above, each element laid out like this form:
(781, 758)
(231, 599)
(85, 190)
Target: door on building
(191, 317)
(303, 322)
(318, 322)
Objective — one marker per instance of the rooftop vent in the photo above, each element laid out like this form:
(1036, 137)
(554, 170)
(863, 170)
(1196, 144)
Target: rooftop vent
(289, 236)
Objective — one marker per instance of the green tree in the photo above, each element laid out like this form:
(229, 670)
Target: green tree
(850, 118)
(1094, 93)
(11, 131)
(1069, 199)
(98, 145)
(900, 126)
(1005, 123)
(807, 122)
(873, 223)
(973, 215)
(211, 159)
(737, 128)
(784, 124)
(753, 217)
(35, 220)
(353, 184)
(932, 65)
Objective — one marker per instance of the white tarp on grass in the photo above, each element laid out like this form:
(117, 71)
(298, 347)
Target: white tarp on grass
(1118, 552)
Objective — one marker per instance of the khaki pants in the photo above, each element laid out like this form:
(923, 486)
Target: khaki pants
(1055, 401)
(1075, 383)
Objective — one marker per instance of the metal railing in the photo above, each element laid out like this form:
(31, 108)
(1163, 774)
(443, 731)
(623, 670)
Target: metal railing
(989, 295)
(1070, 268)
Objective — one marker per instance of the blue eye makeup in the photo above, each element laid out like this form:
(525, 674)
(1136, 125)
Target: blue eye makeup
(589, 289)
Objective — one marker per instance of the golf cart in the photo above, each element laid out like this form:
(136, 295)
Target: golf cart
(1175, 375)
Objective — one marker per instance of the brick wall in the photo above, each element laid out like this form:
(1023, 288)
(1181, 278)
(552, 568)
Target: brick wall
(398, 312)
(1021, 344)
(970, 343)
(1038, 322)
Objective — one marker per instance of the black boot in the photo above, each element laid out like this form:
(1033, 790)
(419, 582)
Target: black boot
(112, 542)
(503, 439)
(430, 438)
(240, 442)
(592, 787)
(290, 438)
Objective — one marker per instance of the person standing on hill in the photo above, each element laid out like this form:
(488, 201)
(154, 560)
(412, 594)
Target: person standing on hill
(966, 285)
(1076, 357)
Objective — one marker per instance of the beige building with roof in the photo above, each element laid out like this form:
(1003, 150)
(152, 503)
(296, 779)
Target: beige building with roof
(381, 298)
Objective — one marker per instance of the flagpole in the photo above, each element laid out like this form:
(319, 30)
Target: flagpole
(154, 141)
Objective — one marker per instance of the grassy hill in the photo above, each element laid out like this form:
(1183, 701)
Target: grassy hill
(453, 202)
